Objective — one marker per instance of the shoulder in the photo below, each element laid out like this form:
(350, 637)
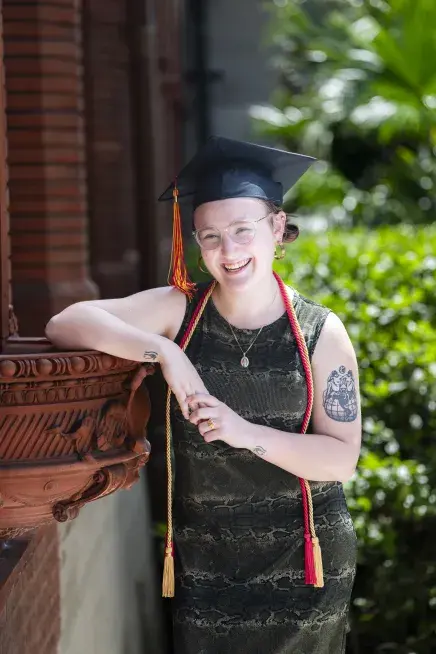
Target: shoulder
(308, 306)
(334, 341)
(311, 317)
(324, 330)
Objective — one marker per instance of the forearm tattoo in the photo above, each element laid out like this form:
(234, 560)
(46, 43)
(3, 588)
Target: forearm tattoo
(260, 451)
(150, 356)
(339, 398)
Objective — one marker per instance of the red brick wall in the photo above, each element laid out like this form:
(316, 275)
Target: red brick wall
(46, 157)
(29, 596)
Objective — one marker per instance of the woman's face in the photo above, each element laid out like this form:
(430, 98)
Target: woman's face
(234, 265)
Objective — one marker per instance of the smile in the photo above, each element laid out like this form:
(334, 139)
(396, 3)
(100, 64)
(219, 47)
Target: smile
(239, 265)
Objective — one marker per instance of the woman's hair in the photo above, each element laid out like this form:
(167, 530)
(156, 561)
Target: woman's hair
(291, 231)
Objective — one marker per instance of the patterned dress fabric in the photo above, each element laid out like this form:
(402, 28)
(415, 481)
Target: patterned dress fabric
(238, 520)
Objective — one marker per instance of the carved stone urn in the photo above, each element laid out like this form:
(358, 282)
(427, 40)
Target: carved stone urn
(72, 430)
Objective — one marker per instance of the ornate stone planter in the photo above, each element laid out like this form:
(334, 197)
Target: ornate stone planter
(72, 430)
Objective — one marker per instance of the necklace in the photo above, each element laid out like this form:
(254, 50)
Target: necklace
(245, 361)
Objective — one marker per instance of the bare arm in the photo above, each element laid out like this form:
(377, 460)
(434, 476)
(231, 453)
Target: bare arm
(140, 327)
(332, 451)
(135, 327)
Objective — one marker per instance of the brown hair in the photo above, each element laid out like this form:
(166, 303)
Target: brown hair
(291, 232)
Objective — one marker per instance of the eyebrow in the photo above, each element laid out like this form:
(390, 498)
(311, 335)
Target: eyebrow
(236, 220)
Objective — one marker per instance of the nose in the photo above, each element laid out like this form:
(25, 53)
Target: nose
(227, 245)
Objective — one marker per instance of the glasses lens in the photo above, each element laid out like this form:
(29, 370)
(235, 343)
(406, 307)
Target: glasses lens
(242, 232)
(208, 238)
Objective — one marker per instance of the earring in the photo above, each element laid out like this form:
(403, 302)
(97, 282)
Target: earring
(199, 262)
(281, 253)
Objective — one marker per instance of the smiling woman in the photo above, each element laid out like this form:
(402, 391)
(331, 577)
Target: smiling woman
(260, 548)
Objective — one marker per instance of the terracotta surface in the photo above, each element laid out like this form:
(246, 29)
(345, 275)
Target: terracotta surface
(72, 430)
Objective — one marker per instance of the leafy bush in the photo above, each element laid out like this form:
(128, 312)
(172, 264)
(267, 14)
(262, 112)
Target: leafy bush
(358, 91)
(382, 285)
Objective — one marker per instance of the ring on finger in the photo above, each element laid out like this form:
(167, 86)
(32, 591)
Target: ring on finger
(211, 424)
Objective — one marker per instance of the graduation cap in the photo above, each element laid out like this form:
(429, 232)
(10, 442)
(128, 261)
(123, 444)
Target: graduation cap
(224, 168)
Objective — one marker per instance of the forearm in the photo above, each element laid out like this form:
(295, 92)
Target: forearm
(314, 457)
(92, 328)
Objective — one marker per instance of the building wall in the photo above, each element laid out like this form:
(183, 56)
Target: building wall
(106, 599)
(29, 595)
(238, 49)
(108, 586)
(239, 68)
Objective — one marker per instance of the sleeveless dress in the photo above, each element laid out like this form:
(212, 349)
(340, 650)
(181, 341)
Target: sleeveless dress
(238, 520)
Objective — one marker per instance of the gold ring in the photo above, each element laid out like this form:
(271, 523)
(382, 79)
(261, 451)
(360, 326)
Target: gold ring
(211, 424)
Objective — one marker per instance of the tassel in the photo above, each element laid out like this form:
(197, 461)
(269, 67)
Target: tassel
(309, 562)
(168, 573)
(317, 557)
(178, 275)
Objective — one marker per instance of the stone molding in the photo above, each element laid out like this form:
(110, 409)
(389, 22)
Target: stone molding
(72, 430)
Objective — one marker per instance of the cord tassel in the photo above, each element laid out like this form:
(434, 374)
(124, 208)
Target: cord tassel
(168, 573)
(309, 562)
(317, 557)
(178, 274)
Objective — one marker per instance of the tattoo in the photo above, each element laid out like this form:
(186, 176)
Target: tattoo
(339, 398)
(150, 356)
(260, 451)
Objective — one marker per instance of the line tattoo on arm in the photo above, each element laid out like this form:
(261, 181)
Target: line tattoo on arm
(339, 398)
(150, 356)
(259, 450)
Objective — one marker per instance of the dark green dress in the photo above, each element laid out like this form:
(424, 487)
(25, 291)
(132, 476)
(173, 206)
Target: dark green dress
(238, 519)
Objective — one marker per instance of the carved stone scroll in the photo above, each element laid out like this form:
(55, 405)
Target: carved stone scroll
(72, 430)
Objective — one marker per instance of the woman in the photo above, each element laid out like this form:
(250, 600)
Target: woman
(249, 362)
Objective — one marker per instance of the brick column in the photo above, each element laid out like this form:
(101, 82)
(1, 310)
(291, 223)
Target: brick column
(47, 175)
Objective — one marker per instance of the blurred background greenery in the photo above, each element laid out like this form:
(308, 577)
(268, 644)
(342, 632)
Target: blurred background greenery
(358, 91)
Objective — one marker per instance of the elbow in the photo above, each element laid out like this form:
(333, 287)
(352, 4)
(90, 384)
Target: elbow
(63, 332)
(346, 474)
(348, 468)
(51, 330)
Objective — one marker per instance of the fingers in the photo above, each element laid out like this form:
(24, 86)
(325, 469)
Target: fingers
(181, 400)
(204, 398)
(205, 413)
(182, 395)
(208, 426)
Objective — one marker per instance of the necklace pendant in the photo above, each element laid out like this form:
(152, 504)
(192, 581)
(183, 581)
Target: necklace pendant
(245, 362)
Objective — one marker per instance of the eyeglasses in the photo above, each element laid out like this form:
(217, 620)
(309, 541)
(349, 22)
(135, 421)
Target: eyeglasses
(241, 231)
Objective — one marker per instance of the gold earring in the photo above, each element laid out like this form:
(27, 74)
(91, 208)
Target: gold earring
(281, 253)
(199, 262)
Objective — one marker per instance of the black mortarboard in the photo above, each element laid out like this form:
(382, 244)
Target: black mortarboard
(224, 168)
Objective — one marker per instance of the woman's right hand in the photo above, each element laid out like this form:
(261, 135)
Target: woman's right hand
(180, 375)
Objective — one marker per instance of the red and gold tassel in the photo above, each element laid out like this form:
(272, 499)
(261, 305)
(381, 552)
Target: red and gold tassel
(317, 557)
(178, 274)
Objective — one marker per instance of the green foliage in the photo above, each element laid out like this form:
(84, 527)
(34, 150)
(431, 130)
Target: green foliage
(381, 284)
(358, 92)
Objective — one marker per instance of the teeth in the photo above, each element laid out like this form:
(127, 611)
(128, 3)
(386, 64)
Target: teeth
(236, 266)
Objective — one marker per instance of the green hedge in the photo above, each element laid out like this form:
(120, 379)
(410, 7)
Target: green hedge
(382, 285)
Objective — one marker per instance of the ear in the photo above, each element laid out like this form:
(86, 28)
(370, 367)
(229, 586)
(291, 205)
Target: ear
(279, 224)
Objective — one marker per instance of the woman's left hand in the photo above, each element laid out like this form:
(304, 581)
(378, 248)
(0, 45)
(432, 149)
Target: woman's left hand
(216, 421)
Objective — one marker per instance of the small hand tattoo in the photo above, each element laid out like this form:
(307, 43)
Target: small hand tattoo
(260, 451)
(339, 398)
(150, 356)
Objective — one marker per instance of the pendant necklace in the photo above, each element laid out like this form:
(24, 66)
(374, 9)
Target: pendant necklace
(245, 361)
